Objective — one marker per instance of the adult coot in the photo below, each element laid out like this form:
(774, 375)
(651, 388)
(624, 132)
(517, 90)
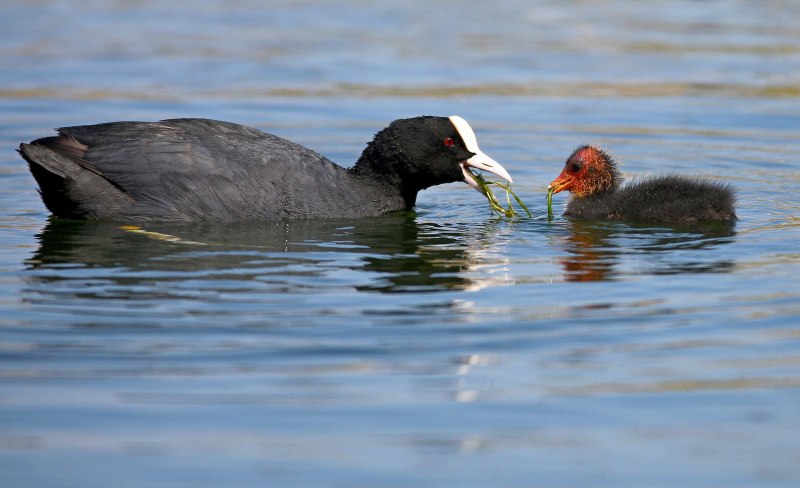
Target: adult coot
(200, 169)
(592, 176)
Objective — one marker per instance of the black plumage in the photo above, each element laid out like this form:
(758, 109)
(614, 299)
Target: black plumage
(200, 169)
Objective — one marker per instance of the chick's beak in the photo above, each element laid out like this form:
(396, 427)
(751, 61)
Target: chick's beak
(483, 162)
(563, 182)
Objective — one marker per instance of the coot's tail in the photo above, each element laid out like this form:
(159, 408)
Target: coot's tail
(70, 186)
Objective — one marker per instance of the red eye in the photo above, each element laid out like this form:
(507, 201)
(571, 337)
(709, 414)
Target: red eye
(449, 142)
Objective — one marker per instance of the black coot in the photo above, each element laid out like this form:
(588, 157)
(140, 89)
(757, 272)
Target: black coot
(199, 169)
(592, 176)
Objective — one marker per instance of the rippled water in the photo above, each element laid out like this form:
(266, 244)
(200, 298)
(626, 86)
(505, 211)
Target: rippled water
(446, 347)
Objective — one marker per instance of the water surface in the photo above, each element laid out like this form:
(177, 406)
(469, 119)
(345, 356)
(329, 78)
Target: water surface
(444, 347)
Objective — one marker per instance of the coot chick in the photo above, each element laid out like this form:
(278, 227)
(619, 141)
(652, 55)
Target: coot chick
(592, 176)
(200, 169)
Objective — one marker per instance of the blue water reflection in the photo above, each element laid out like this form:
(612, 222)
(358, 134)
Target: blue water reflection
(444, 347)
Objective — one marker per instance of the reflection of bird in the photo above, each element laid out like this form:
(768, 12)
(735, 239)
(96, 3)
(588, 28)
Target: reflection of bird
(600, 251)
(198, 169)
(594, 180)
(591, 254)
(390, 254)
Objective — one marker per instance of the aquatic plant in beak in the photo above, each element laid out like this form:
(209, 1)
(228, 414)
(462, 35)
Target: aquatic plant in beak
(494, 202)
(479, 160)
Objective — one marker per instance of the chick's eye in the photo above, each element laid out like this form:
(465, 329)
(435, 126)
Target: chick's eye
(575, 167)
(449, 142)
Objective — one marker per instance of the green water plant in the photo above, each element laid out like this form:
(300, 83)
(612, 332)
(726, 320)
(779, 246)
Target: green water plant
(494, 202)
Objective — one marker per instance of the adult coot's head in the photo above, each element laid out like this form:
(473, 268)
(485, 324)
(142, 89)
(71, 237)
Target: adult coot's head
(417, 153)
(588, 171)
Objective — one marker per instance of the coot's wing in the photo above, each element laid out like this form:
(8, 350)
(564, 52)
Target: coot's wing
(198, 168)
